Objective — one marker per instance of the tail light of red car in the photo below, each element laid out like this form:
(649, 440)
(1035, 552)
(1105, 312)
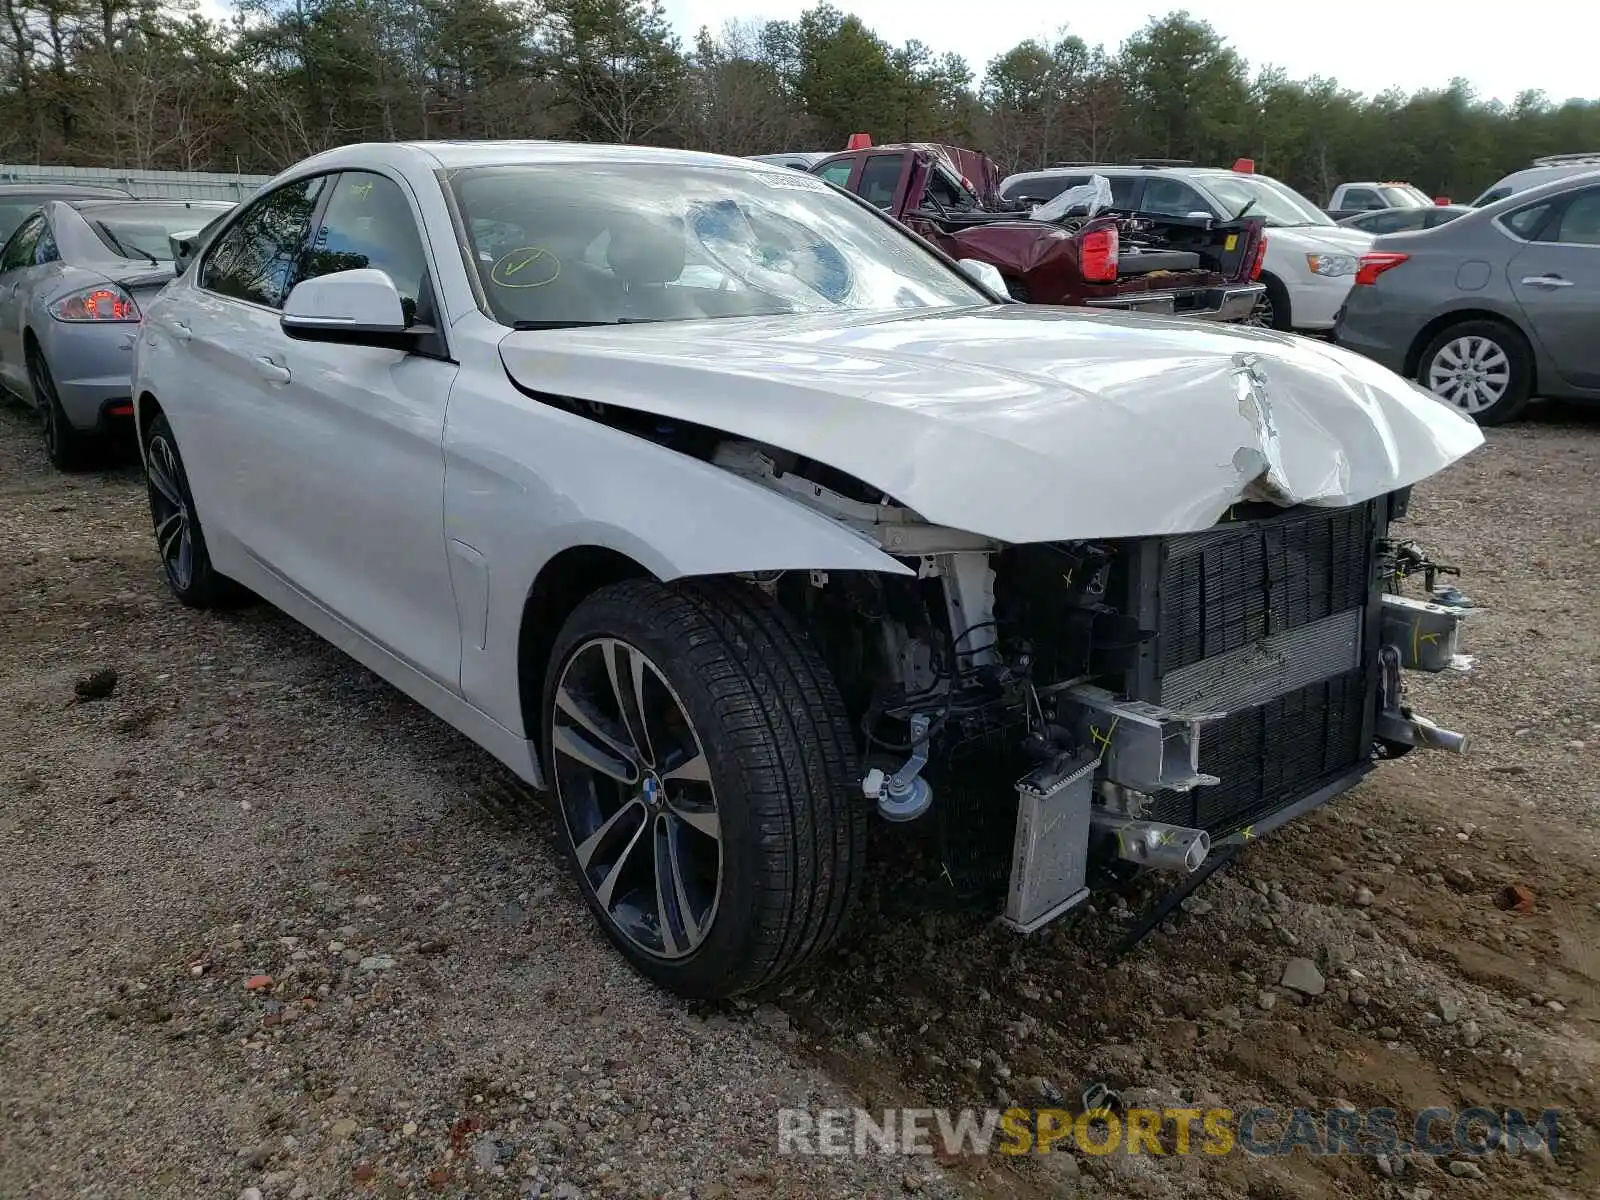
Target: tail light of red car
(1370, 266)
(1259, 260)
(1097, 256)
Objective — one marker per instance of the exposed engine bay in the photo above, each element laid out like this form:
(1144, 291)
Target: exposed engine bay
(1134, 702)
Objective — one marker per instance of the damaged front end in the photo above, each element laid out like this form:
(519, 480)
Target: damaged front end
(1090, 709)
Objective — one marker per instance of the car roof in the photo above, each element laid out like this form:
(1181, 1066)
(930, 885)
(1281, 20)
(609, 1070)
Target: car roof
(102, 202)
(64, 191)
(456, 155)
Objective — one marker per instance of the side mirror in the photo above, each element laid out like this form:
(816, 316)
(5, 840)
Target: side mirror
(183, 247)
(985, 273)
(349, 308)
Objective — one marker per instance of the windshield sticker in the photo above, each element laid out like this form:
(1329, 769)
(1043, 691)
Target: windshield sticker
(525, 267)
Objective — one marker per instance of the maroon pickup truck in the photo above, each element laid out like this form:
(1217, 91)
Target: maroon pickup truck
(1183, 266)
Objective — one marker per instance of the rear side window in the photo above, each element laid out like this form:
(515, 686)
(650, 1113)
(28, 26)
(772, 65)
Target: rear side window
(1580, 222)
(19, 251)
(837, 173)
(880, 177)
(12, 213)
(1165, 196)
(254, 259)
(1363, 198)
(1526, 222)
(45, 250)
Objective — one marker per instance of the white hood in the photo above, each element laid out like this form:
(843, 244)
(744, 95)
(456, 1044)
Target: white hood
(1025, 423)
(1324, 239)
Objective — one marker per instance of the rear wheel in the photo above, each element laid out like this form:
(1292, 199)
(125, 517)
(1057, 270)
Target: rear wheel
(68, 448)
(705, 782)
(1272, 307)
(1483, 368)
(179, 538)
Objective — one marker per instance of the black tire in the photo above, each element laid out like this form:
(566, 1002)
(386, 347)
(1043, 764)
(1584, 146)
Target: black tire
(1518, 374)
(67, 447)
(1272, 307)
(783, 780)
(173, 516)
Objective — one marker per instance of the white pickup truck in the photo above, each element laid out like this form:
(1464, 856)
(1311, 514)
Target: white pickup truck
(1351, 198)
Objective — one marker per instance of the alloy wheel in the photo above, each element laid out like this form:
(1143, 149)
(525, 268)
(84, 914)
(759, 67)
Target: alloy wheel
(1262, 314)
(634, 787)
(170, 512)
(1470, 372)
(44, 397)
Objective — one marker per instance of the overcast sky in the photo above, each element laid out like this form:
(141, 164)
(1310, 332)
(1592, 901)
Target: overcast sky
(1501, 49)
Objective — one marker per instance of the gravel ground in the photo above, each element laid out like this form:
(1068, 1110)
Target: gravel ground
(265, 924)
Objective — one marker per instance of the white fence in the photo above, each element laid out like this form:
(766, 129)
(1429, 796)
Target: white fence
(180, 185)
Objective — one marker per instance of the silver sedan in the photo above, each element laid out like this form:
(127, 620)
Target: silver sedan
(74, 277)
(1489, 309)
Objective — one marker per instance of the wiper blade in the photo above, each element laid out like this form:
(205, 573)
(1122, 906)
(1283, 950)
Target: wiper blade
(1249, 204)
(123, 250)
(530, 326)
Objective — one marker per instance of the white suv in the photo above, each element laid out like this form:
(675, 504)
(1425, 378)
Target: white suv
(1543, 170)
(1311, 260)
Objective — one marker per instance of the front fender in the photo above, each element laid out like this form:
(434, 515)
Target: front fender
(525, 481)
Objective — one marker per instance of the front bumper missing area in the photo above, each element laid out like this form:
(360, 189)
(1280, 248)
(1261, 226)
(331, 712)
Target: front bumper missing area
(1133, 748)
(1233, 303)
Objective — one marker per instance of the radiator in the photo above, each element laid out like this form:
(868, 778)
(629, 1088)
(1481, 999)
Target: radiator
(1269, 619)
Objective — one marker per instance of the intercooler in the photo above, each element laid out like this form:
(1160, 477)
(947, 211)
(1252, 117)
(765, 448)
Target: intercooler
(1270, 619)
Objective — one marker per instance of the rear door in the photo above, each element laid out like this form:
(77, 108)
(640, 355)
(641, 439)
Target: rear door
(226, 332)
(16, 262)
(882, 179)
(1556, 280)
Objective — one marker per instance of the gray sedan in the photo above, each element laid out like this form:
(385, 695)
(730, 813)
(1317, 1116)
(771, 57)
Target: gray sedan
(1491, 308)
(73, 277)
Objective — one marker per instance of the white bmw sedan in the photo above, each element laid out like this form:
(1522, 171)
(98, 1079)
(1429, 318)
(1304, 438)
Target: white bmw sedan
(732, 515)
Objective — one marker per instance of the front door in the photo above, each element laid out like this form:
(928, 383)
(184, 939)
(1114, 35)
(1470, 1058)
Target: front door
(351, 511)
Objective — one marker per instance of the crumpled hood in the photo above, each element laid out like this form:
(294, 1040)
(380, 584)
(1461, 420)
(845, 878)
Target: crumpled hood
(1028, 423)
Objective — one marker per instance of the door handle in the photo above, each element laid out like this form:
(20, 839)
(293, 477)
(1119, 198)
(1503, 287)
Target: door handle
(1546, 281)
(273, 372)
(181, 331)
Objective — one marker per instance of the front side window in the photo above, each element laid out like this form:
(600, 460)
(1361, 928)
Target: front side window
(368, 223)
(142, 230)
(614, 242)
(20, 249)
(880, 178)
(254, 259)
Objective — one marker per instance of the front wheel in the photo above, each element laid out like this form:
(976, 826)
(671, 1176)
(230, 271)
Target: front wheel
(705, 781)
(1483, 368)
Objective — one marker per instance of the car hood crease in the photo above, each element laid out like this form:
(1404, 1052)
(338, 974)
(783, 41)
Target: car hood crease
(1023, 423)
